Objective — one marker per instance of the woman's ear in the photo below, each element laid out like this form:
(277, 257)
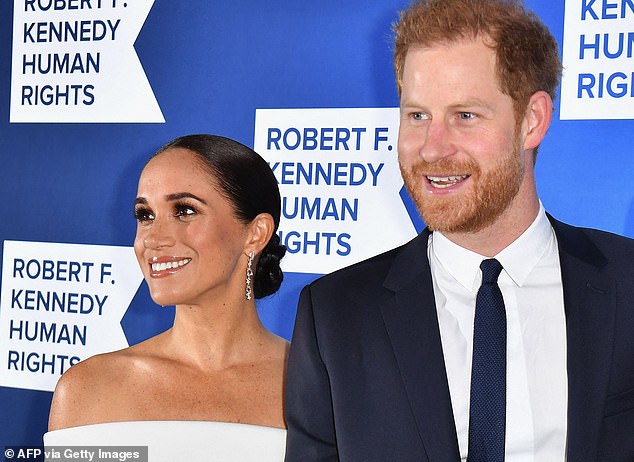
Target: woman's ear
(539, 113)
(260, 232)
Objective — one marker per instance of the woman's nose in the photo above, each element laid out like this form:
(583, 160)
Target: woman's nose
(158, 235)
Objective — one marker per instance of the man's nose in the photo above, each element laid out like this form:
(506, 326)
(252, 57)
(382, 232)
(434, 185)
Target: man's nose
(437, 142)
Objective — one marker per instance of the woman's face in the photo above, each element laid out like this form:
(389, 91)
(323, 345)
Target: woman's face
(188, 243)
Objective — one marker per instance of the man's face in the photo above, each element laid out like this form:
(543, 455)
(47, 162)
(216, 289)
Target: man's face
(459, 151)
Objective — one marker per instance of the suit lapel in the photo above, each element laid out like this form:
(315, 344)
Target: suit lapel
(589, 300)
(412, 325)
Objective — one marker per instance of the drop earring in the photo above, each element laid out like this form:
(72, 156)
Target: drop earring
(248, 291)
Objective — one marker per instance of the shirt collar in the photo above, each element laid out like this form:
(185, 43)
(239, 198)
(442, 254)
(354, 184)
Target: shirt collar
(518, 259)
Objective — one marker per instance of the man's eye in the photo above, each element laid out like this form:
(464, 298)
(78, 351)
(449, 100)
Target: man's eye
(143, 214)
(419, 116)
(466, 115)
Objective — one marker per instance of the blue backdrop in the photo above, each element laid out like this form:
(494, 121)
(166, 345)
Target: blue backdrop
(211, 65)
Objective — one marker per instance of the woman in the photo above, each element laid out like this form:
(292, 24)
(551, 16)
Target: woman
(207, 212)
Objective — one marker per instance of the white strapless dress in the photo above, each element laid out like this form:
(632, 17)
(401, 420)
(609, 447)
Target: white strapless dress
(187, 441)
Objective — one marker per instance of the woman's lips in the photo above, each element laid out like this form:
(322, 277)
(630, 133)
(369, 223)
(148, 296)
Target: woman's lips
(163, 266)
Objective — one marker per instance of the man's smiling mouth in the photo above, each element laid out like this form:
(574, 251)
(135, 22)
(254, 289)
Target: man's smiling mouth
(442, 182)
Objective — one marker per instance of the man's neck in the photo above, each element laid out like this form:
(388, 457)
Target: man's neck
(501, 233)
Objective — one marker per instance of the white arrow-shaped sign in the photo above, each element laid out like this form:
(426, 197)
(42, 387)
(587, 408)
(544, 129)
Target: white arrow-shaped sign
(59, 304)
(339, 179)
(75, 62)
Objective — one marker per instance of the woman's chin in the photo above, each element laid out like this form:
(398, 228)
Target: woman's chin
(163, 299)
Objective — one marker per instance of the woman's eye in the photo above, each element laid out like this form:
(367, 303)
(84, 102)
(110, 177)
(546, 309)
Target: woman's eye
(184, 211)
(143, 215)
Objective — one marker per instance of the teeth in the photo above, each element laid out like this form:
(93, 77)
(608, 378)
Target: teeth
(445, 181)
(170, 264)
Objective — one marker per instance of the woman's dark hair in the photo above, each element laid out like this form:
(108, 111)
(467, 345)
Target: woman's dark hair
(247, 181)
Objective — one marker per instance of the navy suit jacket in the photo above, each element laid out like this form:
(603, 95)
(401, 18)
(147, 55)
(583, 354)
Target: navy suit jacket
(366, 378)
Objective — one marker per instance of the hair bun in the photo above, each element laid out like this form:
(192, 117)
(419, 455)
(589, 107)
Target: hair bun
(268, 274)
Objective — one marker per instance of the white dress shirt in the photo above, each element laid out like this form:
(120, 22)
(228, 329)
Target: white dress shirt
(536, 395)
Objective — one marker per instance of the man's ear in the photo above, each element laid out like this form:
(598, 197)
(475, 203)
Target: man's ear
(260, 232)
(539, 113)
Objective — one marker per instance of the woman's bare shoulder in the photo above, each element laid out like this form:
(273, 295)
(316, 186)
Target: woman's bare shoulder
(89, 391)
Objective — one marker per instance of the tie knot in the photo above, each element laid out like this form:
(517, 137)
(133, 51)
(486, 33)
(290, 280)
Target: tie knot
(491, 269)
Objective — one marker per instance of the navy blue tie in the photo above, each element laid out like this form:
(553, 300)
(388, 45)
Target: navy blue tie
(487, 413)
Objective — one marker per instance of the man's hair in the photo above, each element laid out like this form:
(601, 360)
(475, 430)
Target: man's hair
(526, 52)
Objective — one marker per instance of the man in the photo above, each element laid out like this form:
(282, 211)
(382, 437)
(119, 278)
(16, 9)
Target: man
(380, 367)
